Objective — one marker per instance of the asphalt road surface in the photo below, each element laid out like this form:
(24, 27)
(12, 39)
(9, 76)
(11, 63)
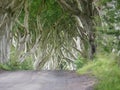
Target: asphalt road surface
(45, 80)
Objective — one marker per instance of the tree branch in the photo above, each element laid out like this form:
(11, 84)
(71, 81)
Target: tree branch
(68, 7)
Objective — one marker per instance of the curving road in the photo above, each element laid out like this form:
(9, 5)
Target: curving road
(45, 80)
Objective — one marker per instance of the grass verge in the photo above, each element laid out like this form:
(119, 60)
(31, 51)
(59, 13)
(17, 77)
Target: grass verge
(106, 68)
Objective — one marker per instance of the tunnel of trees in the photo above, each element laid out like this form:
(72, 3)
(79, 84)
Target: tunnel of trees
(81, 35)
(54, 34)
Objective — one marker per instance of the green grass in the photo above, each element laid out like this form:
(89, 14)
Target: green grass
(106, 68)
(15, 65)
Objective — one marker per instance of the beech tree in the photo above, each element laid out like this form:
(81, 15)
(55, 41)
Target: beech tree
(52, 33)
(85, 12)
(49, 31)
(9, 10)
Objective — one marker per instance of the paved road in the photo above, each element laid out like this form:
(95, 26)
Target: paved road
(45, 80)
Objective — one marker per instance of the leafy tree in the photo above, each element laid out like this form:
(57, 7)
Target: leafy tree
(55, 32)
(111, 30)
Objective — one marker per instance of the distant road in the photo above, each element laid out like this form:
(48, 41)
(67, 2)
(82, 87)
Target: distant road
(45, 80)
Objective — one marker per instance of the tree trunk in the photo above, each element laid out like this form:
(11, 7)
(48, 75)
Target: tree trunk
(84, 11)
(8, 12)
(5, 41)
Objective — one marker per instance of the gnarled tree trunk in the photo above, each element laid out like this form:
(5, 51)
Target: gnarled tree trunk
(9, 9)
(84, 11)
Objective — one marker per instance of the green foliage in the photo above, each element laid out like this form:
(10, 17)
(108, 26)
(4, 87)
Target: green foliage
(103, 2)
(51, 13)
(80, 62)
(15, 65)
(106, 69)
(108, 39)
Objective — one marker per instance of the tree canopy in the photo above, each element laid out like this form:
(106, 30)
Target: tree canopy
(52, 34)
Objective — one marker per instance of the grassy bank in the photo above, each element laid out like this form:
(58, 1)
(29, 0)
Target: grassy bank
(107, 70)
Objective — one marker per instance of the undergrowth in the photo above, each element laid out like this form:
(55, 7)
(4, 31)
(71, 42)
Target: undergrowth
(107, 69)
(15, 65)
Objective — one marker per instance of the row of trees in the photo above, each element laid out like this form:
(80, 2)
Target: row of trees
(54, 33)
